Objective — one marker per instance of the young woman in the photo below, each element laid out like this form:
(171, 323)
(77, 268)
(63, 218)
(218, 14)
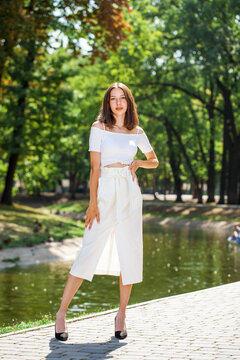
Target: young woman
(112, 241)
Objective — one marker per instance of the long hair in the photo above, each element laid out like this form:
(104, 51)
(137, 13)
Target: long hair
(131, 116)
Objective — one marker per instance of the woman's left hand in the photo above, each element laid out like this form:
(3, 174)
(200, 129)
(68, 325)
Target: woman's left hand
(133, 168)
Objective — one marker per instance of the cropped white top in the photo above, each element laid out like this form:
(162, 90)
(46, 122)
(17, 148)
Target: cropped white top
(117, 147)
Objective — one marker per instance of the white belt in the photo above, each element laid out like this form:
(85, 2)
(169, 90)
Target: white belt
(125, 203)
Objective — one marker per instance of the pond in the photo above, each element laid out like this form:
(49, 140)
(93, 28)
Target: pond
(176, 261)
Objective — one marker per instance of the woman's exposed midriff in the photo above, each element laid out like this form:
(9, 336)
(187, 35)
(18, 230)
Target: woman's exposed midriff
(117, 164)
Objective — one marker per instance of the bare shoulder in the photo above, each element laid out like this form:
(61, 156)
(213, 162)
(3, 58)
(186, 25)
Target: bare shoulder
(97, 124)
(140, 130)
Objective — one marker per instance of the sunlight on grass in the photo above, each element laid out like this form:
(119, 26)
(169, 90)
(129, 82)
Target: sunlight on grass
(70, 206)
(22, 225)
(190, 216)
(46, 319)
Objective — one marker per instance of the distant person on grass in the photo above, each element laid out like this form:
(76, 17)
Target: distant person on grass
(112, 244)
(236, 233)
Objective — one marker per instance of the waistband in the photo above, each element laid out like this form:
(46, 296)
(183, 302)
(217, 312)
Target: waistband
(115, 171)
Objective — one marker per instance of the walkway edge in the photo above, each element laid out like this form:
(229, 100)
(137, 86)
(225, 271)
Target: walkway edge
(115, 309)
(222, 226)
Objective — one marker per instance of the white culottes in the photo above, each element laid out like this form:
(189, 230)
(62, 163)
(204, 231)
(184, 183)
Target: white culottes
(114, 245)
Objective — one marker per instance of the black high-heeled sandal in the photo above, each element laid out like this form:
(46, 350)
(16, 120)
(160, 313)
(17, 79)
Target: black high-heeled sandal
(63, 336)
(120, 334)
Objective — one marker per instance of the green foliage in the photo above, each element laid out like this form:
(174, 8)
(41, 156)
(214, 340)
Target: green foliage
(34, 85)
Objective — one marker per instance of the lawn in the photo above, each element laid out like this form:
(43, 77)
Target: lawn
(192, 211)
(70, 206)
(25, 226)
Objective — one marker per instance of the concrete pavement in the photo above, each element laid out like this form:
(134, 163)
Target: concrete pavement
(199, 325)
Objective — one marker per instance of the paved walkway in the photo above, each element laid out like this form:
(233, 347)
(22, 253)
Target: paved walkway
(199, 325)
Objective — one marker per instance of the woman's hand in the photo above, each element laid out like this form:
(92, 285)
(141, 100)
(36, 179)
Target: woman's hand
(133, 168)
(91, 213)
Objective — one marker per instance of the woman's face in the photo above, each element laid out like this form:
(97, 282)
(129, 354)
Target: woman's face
(118, 102)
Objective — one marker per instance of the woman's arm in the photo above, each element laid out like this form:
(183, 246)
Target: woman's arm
(92, 210)
(151, 162)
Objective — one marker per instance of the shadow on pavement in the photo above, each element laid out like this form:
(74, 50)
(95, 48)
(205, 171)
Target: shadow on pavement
(99, 351)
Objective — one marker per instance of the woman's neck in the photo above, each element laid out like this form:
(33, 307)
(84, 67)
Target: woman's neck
(120, 120)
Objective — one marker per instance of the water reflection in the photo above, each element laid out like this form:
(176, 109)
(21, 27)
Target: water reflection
(176, 260)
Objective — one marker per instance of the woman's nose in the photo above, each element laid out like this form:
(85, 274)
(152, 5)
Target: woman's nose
(119, 101)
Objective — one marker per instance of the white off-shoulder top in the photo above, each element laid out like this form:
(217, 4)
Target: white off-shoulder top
(117, 147)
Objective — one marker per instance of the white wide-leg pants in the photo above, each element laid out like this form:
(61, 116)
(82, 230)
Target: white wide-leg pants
(114, 244)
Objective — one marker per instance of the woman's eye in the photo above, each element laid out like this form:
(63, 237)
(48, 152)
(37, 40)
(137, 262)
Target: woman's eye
(114, 99)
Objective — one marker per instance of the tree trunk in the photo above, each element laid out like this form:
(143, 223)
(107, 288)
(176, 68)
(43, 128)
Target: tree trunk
(175, 166)
(211, 162)
(19, 126)
(74, 183)
(233, 173)
(182, 147)
(178, 189)
(193, 190)
(7, 193)
(234, 145)
(224, 164)
(239, 186)
(154, 184)
(211, 173)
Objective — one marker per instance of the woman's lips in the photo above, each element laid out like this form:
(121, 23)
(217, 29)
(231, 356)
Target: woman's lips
(119, 108)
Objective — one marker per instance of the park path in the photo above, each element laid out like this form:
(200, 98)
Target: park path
(199, 325)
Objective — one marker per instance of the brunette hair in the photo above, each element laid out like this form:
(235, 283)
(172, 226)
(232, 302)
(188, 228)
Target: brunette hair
(131, 116)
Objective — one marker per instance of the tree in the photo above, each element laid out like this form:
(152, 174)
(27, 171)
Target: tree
(27, 33)
(206, 35)
(195, 53)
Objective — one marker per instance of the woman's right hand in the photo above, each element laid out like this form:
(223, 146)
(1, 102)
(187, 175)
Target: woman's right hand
(91, 213)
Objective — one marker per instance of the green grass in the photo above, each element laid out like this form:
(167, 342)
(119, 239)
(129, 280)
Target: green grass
(18, 226)
(191, 211)
(193, 217)
(70, 206)
(46, 319)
